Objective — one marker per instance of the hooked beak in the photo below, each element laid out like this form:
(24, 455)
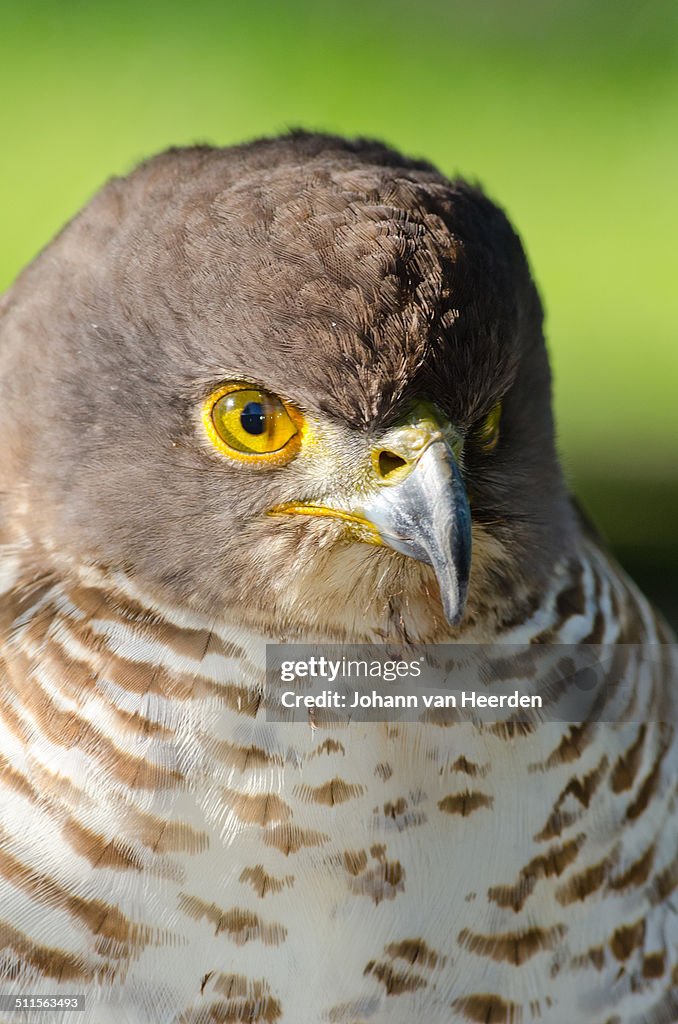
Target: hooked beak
(427, 516)
(414, 502)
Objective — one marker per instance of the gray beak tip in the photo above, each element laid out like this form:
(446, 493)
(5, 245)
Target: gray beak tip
(454, 611)
(453, 592)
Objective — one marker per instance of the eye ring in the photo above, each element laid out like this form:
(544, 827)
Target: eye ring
(242, 421)
(487, 433)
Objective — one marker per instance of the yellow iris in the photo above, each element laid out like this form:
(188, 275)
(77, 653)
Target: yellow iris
(488, 432)
(252, 425)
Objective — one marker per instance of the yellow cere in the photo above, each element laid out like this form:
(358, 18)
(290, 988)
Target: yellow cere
(248, 424)
(488, 433)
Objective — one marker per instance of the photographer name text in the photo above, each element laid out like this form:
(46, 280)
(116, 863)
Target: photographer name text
(463, 699)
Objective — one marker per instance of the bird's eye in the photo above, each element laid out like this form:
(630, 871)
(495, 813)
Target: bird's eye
(487, 434)
(249, 424)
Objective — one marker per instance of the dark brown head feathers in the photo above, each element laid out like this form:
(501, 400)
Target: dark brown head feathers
(337, 273)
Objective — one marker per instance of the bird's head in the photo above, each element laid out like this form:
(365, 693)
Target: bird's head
(300, 383)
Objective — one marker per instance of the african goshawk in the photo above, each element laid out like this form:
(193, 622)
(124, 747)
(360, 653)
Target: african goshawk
(297, 391)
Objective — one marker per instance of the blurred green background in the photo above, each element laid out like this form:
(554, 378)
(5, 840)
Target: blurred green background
(567, 112)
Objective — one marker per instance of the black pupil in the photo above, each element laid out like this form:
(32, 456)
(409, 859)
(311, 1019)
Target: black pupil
(253, 418)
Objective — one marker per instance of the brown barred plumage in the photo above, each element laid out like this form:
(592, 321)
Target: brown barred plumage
(165, 848)
(122, 889)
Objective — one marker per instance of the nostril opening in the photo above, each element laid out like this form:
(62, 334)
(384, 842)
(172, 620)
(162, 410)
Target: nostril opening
(389, 463)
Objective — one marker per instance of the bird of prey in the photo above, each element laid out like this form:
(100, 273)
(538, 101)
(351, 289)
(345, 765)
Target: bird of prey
(297, 391)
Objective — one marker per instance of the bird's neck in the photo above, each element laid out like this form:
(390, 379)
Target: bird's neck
(97, 664)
